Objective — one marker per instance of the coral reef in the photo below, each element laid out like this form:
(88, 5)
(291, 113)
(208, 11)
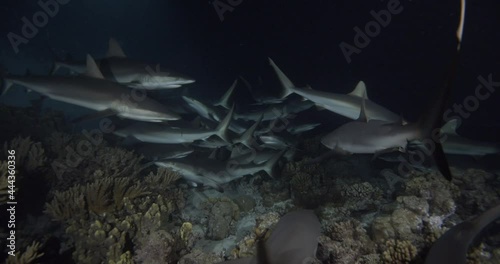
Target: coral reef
(198, 256)
(398, 252)
(156, 248)
(4, 183)
(262, 230)
(347, 242)
(361, 196)
(309, 184)
(222, 214)
(29, 255)
(107, 206)
(30, 156)
(246, 203)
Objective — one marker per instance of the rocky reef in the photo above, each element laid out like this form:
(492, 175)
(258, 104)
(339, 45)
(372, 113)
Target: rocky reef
(106, 205)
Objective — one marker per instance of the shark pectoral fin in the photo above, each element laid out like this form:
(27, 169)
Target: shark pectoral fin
(96, 115)
(385, 151)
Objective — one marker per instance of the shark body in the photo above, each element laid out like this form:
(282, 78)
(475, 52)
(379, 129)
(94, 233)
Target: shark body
(135, 74)
(213, 172)
(94, 92)
(347, 105)
(173, 135)
(452, 246)
(294, 240)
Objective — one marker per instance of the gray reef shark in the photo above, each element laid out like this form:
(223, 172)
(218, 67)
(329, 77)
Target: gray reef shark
(92, 91)
(171, 135)
(368, 136)
(214, 173)
(277, 111)
(294, 240)
(456, 144)
(452, 246)
(347, 105)
(117, 67)
(155, 151)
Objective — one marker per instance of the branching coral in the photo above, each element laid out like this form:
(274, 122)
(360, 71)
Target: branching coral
(399, 252)
(161, 180)
(309, 184)
(67, 205)
(105, 195)
(29, 155)
(30, 255)
(348, 243)
(77, 166)
(4, 184)
(57, 142)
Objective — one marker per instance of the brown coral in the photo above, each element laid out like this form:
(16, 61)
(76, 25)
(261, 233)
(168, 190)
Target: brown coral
(399, 252)
(30, 255)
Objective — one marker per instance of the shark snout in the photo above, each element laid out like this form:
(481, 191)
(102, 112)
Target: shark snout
(185, 80)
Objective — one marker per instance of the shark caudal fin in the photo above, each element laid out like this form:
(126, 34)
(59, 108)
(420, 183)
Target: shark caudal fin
(288, 86)
(431, 122)
(223, 126)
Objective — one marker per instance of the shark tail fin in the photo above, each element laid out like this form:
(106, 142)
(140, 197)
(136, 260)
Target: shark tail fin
(288, 86)
(224, 100)
(223, 126)
(431, 122)
(269, 165)
(246, 138)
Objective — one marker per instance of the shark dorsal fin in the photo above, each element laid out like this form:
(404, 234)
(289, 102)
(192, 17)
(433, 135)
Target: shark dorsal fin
(213, 155)
(114, 49)
(362, 114)
(92, 69)
(450, 127)
(360, 90)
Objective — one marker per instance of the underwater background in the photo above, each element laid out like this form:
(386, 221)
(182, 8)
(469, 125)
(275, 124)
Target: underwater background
(118, 203)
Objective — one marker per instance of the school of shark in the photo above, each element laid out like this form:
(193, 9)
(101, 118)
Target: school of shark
(183, 179)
